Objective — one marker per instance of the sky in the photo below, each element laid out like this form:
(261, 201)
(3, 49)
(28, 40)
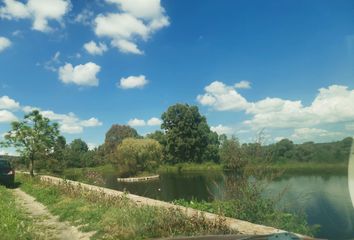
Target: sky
(283, 68)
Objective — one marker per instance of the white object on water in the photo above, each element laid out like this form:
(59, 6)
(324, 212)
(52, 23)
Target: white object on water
(351, 174)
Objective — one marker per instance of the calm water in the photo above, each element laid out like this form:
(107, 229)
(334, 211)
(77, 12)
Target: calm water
(324, 198)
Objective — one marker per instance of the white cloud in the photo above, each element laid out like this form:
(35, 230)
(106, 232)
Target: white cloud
(95, 49)
(154, 121)
(41, 12)
(309, 134)
(70, 123)
(243, 85)
(221, 129)
(126, 46)
(85, 17)
(331, 105)
(83, 74)
(136, 122)
(28, 109)
(92, 146)
(92, 122)
(8, 103)
(133, 82)
(136, 19)
(222, 98)
(7, 116)
(4, 43)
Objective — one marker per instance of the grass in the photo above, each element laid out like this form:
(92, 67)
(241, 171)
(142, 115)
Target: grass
(116, 217)
(190, 167)
(303, 168)
(14, 223)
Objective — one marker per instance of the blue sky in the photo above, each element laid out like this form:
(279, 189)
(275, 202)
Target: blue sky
(283, 66)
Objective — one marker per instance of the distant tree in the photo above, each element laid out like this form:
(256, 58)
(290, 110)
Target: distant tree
(56, 160)
(187, 135)
(158, 136)
(231, 154)
(134, 155)
(33, 137)
(75, 153)
(115, 136)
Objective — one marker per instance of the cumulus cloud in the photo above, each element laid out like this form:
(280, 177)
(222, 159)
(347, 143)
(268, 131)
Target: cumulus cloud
(154, 122)
(85, 17)
(133, 82)
(95, 49)
(243, 85)
(135, 122)
(39, 11)
(7, 116)
(8, 103)
(83, 74)
(222, 98)
(308, 134)
(4, 43)
(135, 19)
(70, 123)
(221, 129)
(331, 105)
(92, 122)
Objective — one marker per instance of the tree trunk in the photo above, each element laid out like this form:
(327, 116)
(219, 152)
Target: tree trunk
(31, 165)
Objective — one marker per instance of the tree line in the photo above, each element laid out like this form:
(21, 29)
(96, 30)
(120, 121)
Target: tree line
(185, 136)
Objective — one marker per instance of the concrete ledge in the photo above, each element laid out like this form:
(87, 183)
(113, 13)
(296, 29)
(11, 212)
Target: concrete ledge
(138, 179)
(242, 227)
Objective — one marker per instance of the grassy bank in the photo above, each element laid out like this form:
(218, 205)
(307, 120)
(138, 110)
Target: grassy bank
(116, 217)
(303, 168)
(290, 167)
(257, 210)
(14, 223)
(190, 167)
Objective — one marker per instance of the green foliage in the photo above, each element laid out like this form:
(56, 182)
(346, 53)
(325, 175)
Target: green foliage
(334, 152)
(117, 217)
(114, 137)
(77, 154)
(231, 154)
(14, 224)
(136, 155)
(188, 136)
(158, 136)
(34, 137)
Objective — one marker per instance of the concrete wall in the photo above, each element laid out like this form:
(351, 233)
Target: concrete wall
(240, 226)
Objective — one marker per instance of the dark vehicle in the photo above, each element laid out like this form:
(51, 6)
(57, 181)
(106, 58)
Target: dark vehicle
(7, 173)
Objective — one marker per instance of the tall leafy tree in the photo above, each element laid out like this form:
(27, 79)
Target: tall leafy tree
(34, 136)
(75, 153)
(115, 136)
(188, 136)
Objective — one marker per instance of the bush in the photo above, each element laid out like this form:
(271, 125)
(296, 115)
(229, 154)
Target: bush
(137, 155)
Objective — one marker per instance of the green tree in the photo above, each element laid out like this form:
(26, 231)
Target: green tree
(115, 136)
(75, 153)
(33, 137)
(188, 135)
(135, 155)
(231, 154)
(56, 160)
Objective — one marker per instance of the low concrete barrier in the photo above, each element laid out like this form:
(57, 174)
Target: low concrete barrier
(138, 179)
(242, 227)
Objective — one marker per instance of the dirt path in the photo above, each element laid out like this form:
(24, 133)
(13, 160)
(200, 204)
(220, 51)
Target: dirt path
(49, 226)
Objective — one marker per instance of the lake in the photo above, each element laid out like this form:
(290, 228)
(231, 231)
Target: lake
(324, 198)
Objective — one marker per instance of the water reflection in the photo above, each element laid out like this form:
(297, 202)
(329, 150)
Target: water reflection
(324, 198)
